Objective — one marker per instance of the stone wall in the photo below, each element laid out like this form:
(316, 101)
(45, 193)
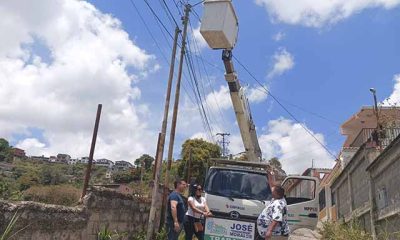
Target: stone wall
(100, 208)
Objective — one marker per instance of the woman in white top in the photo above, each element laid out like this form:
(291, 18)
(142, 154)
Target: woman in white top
(197, 210)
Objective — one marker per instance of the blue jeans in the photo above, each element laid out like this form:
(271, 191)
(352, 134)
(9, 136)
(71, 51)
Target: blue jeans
(172, 234)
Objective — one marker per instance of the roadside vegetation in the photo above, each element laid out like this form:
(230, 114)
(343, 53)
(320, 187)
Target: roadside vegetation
(341, 231)
(58, 183)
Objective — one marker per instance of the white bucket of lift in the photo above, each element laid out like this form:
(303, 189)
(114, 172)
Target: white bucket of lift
(219, 25)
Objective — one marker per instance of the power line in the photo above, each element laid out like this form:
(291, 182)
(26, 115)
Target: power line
(286, 110)
(199, 81)
(206, 73)
(158, 19)
(148, 30)
(194, 5)
(170, 13)
(193, 77)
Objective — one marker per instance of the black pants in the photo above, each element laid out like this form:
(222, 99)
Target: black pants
(189, 228)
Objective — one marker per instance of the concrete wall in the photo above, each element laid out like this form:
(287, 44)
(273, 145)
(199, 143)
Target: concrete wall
(385, 175)
(368, 191)
(101, 208)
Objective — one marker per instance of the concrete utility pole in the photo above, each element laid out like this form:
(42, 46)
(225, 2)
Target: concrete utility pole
(224, 143)
(92, 147)
(159, 156)
(185, 21)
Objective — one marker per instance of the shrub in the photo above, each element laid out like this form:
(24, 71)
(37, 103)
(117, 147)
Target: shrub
(348, 231)
(59, 194)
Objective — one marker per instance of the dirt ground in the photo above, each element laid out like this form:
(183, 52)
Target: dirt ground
(304, 234)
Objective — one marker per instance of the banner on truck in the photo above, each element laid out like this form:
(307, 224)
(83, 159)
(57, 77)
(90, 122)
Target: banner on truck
(224, 229)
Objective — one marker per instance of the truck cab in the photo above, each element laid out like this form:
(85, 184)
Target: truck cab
(237, 192)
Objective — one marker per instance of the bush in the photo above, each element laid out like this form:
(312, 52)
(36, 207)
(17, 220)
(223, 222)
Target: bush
(60, 194)
(348, 231)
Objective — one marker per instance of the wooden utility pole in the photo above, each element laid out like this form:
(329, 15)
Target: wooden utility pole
(161, 143)
(176, 104)
(92, 147)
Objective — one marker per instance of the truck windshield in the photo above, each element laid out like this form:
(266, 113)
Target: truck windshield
(238, 184)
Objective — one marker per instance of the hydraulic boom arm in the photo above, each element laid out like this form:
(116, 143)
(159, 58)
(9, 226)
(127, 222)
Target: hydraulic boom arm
(242, 110)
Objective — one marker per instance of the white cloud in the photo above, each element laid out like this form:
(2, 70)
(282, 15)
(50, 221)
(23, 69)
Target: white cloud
(84, 63)
(32, 146)
(317, 13)
(394, 98)
(278, 36)
(293, 146)
(220, 99)
(283, 61)
(256, 94)
(199, 40)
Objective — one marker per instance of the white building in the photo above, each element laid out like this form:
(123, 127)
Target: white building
(104, 163)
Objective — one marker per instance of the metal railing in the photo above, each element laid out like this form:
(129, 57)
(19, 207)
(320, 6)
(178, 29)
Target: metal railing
(386, 136)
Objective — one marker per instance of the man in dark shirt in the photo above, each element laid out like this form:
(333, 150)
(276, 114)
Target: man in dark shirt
(176, 210)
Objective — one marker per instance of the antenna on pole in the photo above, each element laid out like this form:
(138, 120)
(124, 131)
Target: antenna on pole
(224, 143)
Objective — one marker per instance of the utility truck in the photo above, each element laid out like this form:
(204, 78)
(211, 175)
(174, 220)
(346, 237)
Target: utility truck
(237, 191)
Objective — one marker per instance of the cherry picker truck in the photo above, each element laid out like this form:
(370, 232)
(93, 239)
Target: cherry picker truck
(236, 191)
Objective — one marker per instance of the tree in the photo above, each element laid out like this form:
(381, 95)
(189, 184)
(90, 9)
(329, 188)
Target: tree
(123, 177)
(5, 151)
(276, 164)
(199, 151)
(147, 159)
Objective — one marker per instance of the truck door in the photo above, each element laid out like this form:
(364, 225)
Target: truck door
(303, 203)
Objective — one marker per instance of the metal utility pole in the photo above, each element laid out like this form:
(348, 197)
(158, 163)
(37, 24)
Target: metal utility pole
(160, 147)
(92, 147)
(224, 143)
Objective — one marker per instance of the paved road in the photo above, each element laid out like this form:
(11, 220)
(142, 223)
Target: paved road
(304, 234)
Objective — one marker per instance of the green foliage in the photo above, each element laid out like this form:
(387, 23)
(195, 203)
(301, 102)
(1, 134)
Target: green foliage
(274, 162)
(9, 190)
(200, 152)
(348, 231)
(106, 234)
(141, 236)
(123, 177)
(162, 234)
(26, 174)
(60, 194)
(7, 232)
(5, 151)
(52, 175)
(146, 159)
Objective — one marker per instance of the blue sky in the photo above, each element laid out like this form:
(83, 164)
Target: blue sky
(334, 61)
(335, 65)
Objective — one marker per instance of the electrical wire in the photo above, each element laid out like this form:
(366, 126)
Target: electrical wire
(286, 110)
(212, 90)
(148, 30)
(158, 19)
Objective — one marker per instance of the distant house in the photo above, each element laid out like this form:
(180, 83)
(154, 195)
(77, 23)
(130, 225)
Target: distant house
(73, 161)
(122, 165)
(39, 158)
(52, 159)
(84, 160)
(104, 163)
(18, 153)
(63, 158)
